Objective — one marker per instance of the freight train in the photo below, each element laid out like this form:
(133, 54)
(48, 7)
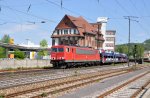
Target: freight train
(63, 56)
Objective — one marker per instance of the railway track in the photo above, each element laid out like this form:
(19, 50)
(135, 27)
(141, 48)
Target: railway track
(62, 86)
(130, 88)
(57, 86)
(11, 80)
(67, 83)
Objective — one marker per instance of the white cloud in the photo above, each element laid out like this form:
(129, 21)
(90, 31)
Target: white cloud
(19, 28)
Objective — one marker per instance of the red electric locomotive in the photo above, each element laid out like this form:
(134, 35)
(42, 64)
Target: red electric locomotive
(68, 56)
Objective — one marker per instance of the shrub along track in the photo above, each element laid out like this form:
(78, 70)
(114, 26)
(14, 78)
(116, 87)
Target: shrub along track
(55, 86)
(127, 89)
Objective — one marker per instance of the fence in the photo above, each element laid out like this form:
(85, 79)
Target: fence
(13, 63)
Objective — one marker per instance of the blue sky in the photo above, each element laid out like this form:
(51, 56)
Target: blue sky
(22, 22)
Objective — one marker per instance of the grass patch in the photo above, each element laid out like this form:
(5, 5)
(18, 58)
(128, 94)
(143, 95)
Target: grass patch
(2, 96)
(44, 95)
(98, 80)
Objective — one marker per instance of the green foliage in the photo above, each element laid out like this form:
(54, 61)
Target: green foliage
(147, 45)
(44, 95)
(2, 52)
(139, 51)
(147, 41)
(5, 39)
(43, 43)
(43, 53)
(19, 54)
(2, 96)
(122, 49)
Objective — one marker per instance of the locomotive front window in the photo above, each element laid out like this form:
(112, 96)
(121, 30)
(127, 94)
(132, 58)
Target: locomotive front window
(54, 49)
(60, 49)
(57, 49)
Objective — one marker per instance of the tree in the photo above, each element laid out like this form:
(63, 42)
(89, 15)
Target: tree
(140, 51)
(122, 49)
(43, 43)
(5, 39)
(2, 52)
(147, 44)
(19, 54)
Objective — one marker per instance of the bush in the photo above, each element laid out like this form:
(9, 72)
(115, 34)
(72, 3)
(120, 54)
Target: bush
(2, 52)
(44, 95)
(19, 54)
(2, 96)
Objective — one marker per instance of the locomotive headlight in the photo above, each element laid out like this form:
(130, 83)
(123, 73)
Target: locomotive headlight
(61, 58)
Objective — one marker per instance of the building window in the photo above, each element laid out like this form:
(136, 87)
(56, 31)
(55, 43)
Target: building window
(57, 32)
(66, 31)
(109, 45)
(109, 39)
(74, 31)
(61, 32)
(53, 41)
(110, 33)
(69, 31)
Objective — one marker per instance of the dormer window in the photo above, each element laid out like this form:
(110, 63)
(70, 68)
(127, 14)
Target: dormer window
(66, 31)
(61, 32)
(57, 32)
(69, 31)
(74, 31)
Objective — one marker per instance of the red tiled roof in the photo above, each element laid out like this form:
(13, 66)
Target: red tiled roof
(82, 25)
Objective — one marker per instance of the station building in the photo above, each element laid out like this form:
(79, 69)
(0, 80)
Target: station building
(109, 43)
(109, 35)
(77, 31)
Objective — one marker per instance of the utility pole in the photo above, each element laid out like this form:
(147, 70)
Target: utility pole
(130, 18)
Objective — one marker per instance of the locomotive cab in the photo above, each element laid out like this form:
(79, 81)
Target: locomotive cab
(57, 55)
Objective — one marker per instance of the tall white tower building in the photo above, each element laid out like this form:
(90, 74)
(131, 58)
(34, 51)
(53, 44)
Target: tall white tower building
(108, 35)
(103, 22)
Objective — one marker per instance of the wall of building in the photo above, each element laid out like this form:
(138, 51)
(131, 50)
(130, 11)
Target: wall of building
(103, 21)
(110, 40)
(13, 64)
(103, 31)
(147, 54)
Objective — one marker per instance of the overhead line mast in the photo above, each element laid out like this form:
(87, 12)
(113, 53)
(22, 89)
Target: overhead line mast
(130, 18)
